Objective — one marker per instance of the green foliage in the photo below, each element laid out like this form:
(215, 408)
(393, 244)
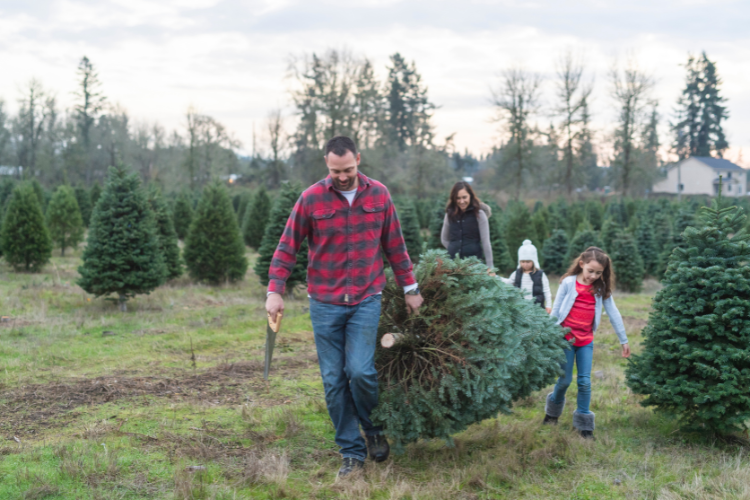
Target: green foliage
(122, 252)
(214, 250)
(555, 252)
(518, 227)
(627, 263)
(6, 189)
(407, 215)
(95, 194)
(244, 200)
(167, 236)
(84, 204)
(256, 218)
(475, 347)
(618, 211)
(541, 227)
(696, 358)
(24, 237)
(436, 226)
(610, 231)
(683, 220)
(644, 238)
(282, 209)
(183, 215)
(64, 219)
(424, 209)
(39, 192)
(595, 214)
(501, 257)
(580, 242)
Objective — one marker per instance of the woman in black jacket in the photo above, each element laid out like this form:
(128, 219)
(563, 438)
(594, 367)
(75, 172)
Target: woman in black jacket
(466, 228)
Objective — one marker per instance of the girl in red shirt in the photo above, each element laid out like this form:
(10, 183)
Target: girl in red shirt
(585, 289)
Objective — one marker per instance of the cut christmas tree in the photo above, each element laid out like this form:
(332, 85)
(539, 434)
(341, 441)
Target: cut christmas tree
(475, 347)
(696, 358)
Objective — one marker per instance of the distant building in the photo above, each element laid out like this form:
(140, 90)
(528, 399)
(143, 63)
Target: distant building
(700, 175)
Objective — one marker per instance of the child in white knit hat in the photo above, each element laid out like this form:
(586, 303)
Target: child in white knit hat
(530, 278)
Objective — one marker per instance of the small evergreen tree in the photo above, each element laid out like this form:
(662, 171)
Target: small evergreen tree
(96, 192)
(555, 252)
(168, 246)
(627, 263)
(84, 204)
(407, 215)
(518, 227)
(25, 239)
(64, 219)
(644, 237)
(610, 231)
(39, 191)
(581, 241)
(256, 218)
(214, 250)
(122, 252)
(696, 358)
(282, 209)
(183, 215)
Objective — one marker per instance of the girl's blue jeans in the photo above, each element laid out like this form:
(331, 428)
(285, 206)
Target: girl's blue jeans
(583, 357)
(345, 338)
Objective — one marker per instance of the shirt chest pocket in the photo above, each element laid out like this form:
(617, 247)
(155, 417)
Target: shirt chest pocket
(373, 215)
(325, 221)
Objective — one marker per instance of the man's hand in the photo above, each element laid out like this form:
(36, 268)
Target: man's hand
(625, 350)
(413, 303)
(274, 304)
(548, 309)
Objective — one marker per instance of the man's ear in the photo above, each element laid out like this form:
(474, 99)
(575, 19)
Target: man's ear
(358, 158)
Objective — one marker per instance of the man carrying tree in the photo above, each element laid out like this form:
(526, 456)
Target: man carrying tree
(346, 218)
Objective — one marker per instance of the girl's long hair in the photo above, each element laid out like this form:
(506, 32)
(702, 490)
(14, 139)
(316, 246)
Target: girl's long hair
(452, 207)
(606, 283)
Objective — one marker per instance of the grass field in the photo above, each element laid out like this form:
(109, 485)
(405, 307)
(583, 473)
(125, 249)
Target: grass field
(168, 401)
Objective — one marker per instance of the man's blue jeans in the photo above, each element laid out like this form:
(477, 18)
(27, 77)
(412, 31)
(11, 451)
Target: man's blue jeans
(583, 357)
(345, 337)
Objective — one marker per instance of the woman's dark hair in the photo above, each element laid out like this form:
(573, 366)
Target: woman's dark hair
(606, 283)
(452, 207)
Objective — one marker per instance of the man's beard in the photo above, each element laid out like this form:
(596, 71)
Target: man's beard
(343, 187)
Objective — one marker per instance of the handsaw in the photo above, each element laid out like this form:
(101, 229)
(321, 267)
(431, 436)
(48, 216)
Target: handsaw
(271, 330)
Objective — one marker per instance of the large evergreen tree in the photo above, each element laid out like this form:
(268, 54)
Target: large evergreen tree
(84, 204)
(167, 236)
(555, 252)
(627, 263)
(282, 209)
(24, 237)
(696, 358)
(256, 218)
(183, 215)
(698, 131)
(214, 250)
(64, 219)
(122, 252)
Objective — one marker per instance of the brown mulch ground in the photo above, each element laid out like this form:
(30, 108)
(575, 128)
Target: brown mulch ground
(27, 409)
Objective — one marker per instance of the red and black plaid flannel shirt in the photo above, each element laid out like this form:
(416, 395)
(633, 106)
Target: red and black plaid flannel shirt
(344, 261)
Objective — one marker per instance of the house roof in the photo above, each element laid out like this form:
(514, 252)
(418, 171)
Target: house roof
(719, 163)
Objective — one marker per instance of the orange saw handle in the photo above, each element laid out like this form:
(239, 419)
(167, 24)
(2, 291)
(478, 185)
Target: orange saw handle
(275, 324)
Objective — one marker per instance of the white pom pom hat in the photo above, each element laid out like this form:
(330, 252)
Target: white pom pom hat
(527, 251)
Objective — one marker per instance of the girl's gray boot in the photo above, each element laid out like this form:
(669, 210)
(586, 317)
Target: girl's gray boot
(552, 410)
(584, 422)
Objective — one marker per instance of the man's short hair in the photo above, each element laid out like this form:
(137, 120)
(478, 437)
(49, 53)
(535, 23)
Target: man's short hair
(339, 145)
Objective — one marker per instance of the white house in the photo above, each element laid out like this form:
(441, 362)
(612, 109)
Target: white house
(700, 175)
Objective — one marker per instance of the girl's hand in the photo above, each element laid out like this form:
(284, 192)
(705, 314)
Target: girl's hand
(548, 309)
(625, 350)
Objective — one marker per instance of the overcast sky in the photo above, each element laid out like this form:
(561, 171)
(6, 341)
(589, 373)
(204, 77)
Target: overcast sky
(229, 58)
